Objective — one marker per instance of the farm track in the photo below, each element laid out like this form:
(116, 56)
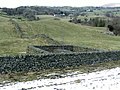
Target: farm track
(101, 80)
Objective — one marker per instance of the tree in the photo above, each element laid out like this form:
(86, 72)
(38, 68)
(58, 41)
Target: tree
(114, 25)
(75, 20)
(109, 14)
(29, 14)
(97, 22)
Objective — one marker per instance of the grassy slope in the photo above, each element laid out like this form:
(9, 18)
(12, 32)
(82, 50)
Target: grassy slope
(79, 35)
(59, 30)
(73, 34)
(11, 43)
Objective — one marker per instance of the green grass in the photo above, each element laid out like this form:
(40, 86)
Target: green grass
(69, 33)
(59, 30)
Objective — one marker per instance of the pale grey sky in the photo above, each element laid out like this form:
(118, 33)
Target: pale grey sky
(77, 3)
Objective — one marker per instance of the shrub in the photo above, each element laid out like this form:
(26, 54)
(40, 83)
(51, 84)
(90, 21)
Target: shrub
(114, 25)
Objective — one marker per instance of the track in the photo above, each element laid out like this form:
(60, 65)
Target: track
(101, 80)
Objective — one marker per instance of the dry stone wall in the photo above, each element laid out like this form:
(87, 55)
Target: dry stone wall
(56, 49)
(26, 63)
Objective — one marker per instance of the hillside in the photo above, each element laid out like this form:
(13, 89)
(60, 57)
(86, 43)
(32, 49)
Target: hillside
(53, 31)
(112, 5)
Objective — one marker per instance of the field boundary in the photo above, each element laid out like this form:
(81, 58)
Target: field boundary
(37, 62)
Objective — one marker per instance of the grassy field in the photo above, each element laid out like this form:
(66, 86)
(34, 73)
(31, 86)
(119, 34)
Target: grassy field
(69, 33)
(60, 30)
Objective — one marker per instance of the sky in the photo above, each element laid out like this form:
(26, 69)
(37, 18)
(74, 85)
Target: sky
(74, 3)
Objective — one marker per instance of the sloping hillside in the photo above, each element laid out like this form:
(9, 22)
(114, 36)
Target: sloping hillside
(70, 33)
(112, 5)
(12, 43)
(53, 31)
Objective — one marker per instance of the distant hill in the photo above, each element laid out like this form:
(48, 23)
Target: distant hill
(112, 5)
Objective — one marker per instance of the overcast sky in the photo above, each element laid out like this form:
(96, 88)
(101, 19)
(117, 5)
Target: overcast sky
(77, 3)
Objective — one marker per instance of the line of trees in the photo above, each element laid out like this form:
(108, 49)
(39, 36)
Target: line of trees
(96, 21)
(31, 12)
